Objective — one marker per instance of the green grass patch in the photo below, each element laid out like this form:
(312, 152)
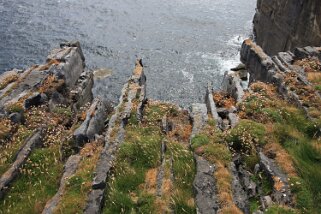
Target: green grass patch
(266, 185)
(211, 122)
(308, 162)
(289, 126)
(133, 120)
(250, 161)
(199, 140)
(142, 151)
(184, 173)
(63, 111)
(36, 184)
(155, 113)
(245, 134)
(254, 204)
(16, 107)
(139, 153)
(273, 113)
(304, 197)
(79, 185)
(217, 152)
(9, 149)
(137, 163)
(279, 210)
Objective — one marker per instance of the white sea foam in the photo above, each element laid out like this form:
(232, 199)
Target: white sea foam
(236, 41)
(225, 64)
(227, 61)
(188, 75)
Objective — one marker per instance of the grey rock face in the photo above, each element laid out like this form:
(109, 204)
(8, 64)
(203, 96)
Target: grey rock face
(94, 205)
(142, 102)
(266, 202)
(282, 195)
(248, 184)
(232, 85)
(82, 92)
(233, 119)
(80, 135)
(258, 63)
(93, 124)
(56, 100)
(204, 186)
(282, 25)
(17, 117)
(199, 117)
(167, 126)
(97, 122)
(32, 86)
(102, 168)
(29, 80)
(272, 70)
(74, 44)
(240, 197)
(36, 99)
(204, 181)
(71, 64)
(306, 52)
(210, 104)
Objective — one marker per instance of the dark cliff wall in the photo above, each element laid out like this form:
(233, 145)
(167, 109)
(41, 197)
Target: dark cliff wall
(281, 25)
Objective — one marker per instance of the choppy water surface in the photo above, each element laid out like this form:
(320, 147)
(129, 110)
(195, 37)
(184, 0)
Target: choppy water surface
(183, 43)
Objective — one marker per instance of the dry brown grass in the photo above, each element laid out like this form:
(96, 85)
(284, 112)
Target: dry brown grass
(278, 184)
(314, 77)
(138, 68)
(150, 181)
(317, 144)
(263, 88)
(167, 190)
(48, 65)
(161, 206)
(182, 131)
(191, 202)
(225, 198)
(9, 79)
(51, 84)
(83, 116)
(5, 128)
(232, 209)
(224, 189)
(309, 64)
(163, 203)
(223, 100)
(282, 158)
(306, 93)
(89, 149)
(18, 81)
(167, 186)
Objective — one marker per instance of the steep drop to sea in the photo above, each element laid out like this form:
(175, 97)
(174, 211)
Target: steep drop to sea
(183, 43)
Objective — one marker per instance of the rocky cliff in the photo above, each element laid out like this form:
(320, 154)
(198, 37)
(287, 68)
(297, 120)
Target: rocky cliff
(282, 25)
(244, 150)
